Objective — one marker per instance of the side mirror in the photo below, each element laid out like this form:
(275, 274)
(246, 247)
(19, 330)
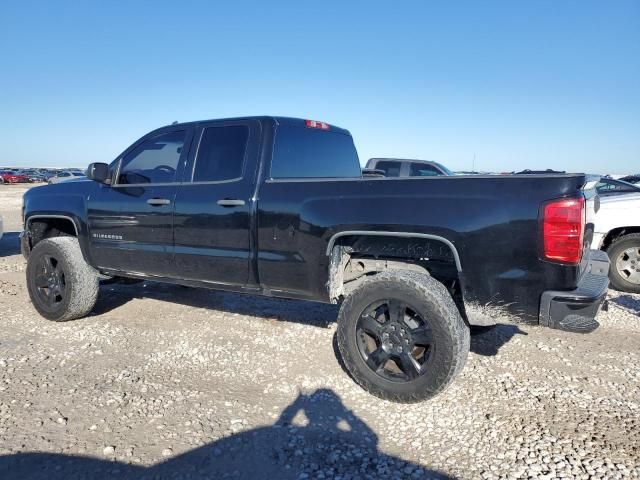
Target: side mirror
(99, 172)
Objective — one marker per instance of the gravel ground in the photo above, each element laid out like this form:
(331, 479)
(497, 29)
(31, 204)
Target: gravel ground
(169, 382)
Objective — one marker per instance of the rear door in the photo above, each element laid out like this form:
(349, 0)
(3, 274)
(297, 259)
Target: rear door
(131, 221)
(213, 204)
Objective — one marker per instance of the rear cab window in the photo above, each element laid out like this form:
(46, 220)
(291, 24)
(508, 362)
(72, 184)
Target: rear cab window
(301, 152)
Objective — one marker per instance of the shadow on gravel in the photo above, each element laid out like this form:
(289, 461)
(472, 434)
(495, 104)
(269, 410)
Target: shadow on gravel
(9, 244)
(321, 315)
(488, 340)
(315, 437)
(627, 302)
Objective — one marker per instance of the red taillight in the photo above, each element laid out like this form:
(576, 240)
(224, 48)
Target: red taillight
(563, 230)
(316, 124)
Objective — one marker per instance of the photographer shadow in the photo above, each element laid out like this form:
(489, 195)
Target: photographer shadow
(315, 437)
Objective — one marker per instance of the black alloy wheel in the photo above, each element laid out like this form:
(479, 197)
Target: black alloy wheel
(395, 342)
(50, 281)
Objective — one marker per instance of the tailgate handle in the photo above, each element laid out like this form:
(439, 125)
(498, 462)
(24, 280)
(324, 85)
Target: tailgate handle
(230, 202)
(158, 201)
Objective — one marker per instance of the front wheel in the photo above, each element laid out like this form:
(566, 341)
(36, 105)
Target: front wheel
(62, 286)
(401, 336)
(624, 272)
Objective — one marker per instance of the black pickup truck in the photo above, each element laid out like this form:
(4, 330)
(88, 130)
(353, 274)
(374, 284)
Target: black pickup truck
(278, 206)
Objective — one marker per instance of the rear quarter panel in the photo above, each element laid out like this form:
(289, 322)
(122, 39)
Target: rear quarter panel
(492, 222)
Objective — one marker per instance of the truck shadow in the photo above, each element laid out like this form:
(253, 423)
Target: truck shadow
(9, 244)
(484, 340)
(299, 311)
(316, 436)
(489, 341)
(628, 302)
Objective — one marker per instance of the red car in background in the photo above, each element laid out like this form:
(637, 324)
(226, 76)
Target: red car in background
(7, 176)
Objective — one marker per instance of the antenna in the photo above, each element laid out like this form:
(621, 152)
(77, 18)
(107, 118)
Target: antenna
(473, 164)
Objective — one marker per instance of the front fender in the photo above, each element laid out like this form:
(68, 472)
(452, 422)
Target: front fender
(49, 202)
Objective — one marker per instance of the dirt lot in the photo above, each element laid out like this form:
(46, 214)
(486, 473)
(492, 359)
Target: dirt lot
(169, 382)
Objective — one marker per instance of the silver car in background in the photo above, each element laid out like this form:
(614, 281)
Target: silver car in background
(66, 176)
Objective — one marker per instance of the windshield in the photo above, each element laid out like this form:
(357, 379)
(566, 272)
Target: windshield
(444, 169)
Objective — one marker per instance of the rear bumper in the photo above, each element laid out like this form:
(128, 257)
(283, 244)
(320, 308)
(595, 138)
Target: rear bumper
(575, 310)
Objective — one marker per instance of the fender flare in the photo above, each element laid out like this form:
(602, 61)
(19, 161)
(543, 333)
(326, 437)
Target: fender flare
(30, 218)
(428, 236)
(81, 235)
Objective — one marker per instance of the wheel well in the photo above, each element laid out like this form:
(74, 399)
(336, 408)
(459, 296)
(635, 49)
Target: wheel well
(616, 233)
(353, 258)
(42, 228)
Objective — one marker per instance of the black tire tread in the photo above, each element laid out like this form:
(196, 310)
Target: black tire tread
(433, 292)
(84, 280)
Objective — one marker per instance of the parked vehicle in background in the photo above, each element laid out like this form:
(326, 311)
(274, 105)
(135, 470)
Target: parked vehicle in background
(608, 186)
(528, 171)
(617, 232)
(47, 174)
(401, 167)
(34, 176)
(66, 176)
(11, 176)
(279, 207)
(631, 179)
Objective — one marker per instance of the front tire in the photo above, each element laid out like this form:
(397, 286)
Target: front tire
(401, 336)
(624, 254)
(61, 285)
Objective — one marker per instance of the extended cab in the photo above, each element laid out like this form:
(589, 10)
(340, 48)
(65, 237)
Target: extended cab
(278, 206)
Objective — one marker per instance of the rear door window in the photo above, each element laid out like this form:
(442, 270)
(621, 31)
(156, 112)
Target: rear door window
(301, 152)
(221, 154)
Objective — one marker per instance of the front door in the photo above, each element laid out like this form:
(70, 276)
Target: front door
(131, 221)
(213, 204)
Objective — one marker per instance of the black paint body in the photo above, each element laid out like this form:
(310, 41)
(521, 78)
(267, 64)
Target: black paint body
(276, 243)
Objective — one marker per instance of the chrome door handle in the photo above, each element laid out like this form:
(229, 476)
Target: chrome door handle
(158, 201)
(230, 202)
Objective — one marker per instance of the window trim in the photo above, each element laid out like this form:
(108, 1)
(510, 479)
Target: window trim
(150, 136)
(202, 129)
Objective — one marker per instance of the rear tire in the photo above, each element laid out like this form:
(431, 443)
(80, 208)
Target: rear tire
(61, 285)
(417, 352)
(624, 271)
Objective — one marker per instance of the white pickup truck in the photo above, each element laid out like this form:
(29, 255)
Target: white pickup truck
(617, 231)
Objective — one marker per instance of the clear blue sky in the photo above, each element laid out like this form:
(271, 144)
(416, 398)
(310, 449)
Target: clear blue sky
(519, 84)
